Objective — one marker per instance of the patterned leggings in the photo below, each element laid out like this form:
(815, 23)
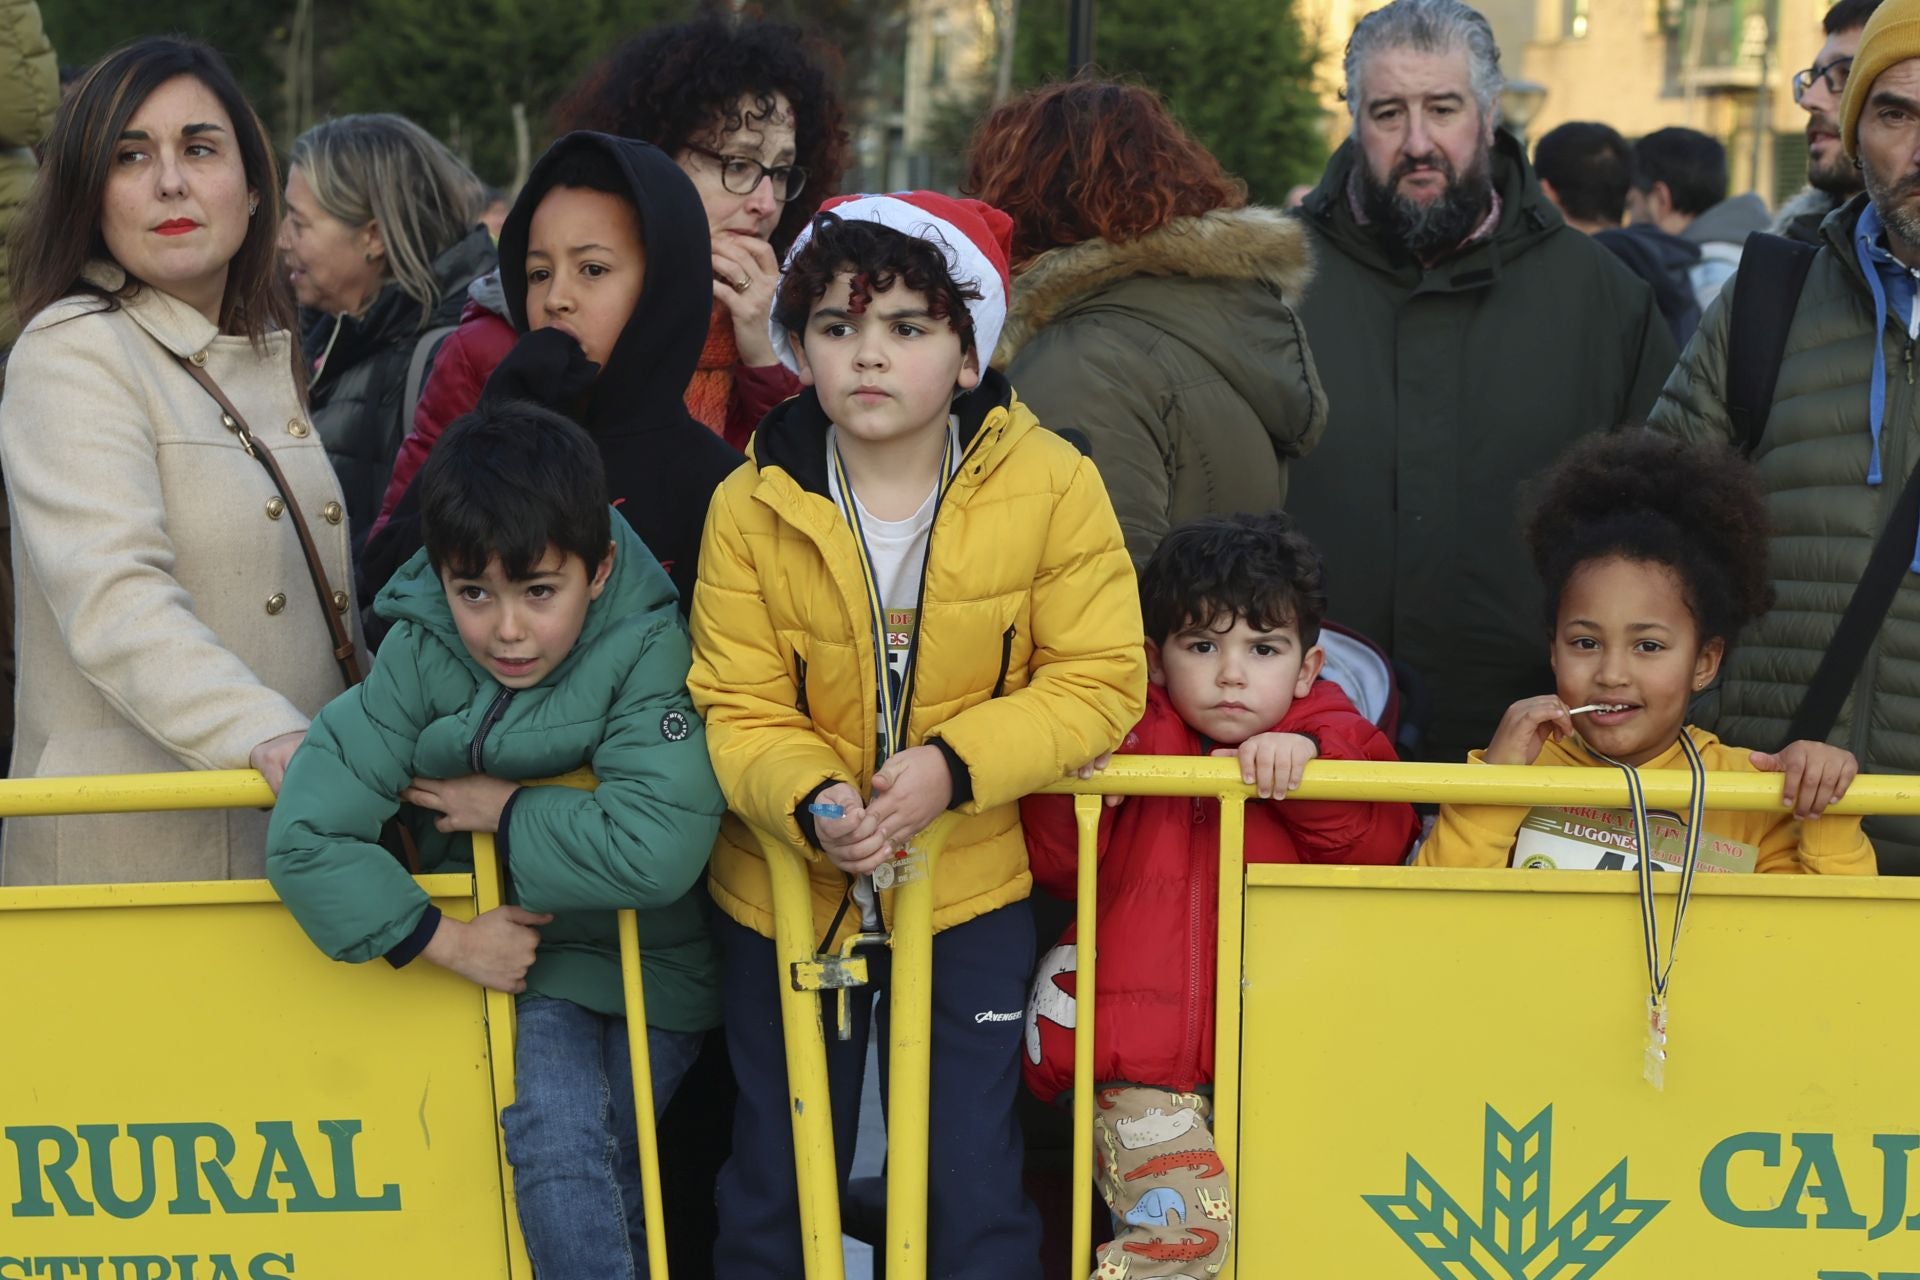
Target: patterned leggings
(1156, 1168)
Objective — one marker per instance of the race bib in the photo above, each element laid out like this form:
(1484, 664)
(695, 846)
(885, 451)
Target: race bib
(1577, 838)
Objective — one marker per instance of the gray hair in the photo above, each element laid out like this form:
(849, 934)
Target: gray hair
(1432, 26)
(388, 169)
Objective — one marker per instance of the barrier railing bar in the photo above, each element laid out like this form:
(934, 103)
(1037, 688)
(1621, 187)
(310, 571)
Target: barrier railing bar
(640, 1054)
(1418, 783)
(910, 1062)
(1129, 775)
(1086, 816)
(804, 1030)
(499, 1007)
(1226, 1017)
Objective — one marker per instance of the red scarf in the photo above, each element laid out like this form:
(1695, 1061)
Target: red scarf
(712, 387)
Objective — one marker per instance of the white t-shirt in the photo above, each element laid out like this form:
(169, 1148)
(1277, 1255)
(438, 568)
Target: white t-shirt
(897, 550)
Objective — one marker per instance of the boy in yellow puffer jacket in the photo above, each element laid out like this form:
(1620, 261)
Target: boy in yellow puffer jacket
(911, 599)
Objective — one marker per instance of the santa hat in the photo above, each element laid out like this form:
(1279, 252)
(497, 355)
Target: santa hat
(975, 238)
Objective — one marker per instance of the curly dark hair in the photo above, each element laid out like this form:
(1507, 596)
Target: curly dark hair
(878, 257)
(1636, 495)
(683, 83)
(1215, 570)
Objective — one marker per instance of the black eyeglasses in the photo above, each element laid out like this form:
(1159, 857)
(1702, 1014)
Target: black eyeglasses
(1833, 75)
(742, 174)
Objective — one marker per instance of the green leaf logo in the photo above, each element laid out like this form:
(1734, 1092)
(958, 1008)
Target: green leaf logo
(1512, 1240)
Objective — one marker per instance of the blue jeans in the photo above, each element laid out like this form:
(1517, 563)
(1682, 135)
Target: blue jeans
(572, 1141)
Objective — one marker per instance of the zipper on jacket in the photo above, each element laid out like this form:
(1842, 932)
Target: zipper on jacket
(800, 684)
(1006, 660)
(920, 603)
(496, 709)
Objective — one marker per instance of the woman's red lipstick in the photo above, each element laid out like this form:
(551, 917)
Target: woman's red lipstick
(177, 227)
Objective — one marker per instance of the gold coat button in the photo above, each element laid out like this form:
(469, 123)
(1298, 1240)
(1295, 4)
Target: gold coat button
(276, 602)
(332, 512)
(275, 507)
(199, 359)
(297, 429)
(339, 602)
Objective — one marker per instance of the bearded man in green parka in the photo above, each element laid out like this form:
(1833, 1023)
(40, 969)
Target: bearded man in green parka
(1465, 335)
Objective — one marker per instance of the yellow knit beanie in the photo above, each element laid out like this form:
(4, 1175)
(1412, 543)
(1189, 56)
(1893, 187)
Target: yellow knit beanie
(1892, 36)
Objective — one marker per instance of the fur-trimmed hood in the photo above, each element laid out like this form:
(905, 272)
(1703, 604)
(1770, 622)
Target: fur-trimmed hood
(1252, 244)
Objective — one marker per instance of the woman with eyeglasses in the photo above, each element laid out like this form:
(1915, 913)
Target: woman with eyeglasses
(747, 111)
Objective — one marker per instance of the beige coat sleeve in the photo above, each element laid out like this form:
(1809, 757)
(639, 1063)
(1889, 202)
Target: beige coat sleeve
(90, 515)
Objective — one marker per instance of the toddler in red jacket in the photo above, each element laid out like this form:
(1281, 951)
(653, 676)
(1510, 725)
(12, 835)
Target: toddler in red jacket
(1232, 607)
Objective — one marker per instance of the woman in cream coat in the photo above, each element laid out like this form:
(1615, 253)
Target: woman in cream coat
(166, 617)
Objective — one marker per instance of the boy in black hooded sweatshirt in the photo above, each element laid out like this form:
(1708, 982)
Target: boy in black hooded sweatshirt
(662, 465)
(605, 261)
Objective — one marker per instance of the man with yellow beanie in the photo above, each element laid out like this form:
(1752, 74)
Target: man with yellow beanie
(1835, 449)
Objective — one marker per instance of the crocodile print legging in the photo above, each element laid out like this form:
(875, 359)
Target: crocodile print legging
(1156, 1167)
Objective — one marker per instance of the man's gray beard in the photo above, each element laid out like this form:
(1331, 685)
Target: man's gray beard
(1900, 217)
(1429, 230)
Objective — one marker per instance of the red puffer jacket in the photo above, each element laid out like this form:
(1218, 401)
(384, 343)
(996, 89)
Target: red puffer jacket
(1159, 908)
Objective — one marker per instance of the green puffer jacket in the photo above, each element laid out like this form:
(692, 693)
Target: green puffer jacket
(1448, 387)
(29, 93)
(617, 703)
(1179, 358)
(1812, 462)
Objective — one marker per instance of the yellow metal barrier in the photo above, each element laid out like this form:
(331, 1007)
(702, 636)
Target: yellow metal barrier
(198, 975)
(1220, 779)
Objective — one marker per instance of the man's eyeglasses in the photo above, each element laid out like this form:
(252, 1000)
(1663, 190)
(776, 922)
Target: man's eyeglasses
(742, 174)
(1833, 75)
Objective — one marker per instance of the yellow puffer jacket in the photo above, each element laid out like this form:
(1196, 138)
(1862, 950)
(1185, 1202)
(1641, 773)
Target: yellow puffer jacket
(1030, 659)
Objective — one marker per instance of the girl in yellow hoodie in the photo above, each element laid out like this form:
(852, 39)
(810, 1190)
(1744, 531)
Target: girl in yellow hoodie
(1653, 555)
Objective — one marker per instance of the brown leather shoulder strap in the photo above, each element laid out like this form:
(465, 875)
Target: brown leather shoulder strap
(337, 628)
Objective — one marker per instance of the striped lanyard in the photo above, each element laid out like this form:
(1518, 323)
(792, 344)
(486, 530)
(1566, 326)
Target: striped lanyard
(893, 702)
(1654, 1059)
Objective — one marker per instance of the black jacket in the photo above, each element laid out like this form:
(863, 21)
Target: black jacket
(1664, 262)
(356, 399)
(662, 465)
(1448, 386)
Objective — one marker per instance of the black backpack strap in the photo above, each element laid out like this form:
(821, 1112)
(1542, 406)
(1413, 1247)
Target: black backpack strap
(1757, 330)
(1847, 651)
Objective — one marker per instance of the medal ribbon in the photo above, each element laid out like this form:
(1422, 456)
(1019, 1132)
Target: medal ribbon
(892, 705)
(1658, 975)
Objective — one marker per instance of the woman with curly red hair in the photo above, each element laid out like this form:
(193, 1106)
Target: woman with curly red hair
(747, 109)
(1152, 306)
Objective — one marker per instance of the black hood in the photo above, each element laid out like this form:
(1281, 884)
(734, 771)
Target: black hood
(647, 373)
(1663, 261)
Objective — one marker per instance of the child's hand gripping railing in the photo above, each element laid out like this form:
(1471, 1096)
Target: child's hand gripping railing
(247, 789)
(1344, 780)
(804, 975)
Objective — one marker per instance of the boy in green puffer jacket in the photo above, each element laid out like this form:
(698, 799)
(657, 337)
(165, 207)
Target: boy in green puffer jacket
(534, 634)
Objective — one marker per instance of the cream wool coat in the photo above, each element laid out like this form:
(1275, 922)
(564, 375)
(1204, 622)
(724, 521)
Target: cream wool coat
(164, 618)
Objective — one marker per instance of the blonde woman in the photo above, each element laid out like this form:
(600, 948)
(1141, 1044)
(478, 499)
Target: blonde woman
(168, 617)
(381, 237)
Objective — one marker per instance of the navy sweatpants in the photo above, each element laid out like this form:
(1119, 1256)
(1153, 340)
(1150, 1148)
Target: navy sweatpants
(979, 1220)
